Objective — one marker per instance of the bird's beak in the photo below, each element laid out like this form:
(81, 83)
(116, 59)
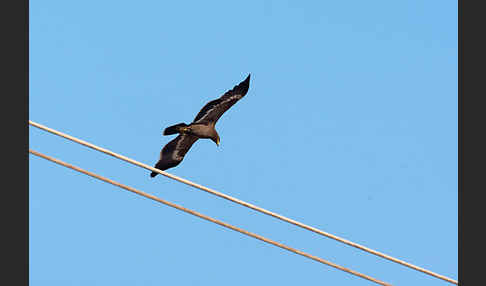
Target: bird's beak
(217, 142)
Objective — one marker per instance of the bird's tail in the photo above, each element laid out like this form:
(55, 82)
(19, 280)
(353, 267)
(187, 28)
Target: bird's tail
(174, 129)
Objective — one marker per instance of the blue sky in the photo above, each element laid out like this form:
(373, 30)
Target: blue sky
(350, 125)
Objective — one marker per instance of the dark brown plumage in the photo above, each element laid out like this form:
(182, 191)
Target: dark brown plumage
(202, 127)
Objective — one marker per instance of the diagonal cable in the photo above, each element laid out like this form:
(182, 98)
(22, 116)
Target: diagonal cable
(181, 208)
(243, 203)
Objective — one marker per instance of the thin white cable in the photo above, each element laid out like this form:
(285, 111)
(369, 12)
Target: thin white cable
(243, 203)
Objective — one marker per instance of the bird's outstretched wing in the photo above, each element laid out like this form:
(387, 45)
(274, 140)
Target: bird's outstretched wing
(213, 110)
(174, 151)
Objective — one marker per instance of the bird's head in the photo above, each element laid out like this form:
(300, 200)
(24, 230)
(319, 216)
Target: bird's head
(215, 139)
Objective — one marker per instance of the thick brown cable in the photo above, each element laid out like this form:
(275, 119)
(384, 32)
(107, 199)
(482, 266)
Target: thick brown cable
(243, 203)
(259, 237)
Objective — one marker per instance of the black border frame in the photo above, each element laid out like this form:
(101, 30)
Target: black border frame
(15, 194)
(470, 142)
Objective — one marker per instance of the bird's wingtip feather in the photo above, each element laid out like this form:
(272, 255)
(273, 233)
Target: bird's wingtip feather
(247, 80)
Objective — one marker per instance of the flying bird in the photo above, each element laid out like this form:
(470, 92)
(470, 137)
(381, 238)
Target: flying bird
(202, 127)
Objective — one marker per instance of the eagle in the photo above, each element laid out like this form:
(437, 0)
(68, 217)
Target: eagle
(203, 127)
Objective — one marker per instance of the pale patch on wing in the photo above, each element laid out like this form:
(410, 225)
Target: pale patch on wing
(183, 146)
(213, 110)
(176, 149)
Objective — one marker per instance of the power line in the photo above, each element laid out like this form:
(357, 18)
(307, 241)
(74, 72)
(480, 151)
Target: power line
(243, 203)
(181, 208)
